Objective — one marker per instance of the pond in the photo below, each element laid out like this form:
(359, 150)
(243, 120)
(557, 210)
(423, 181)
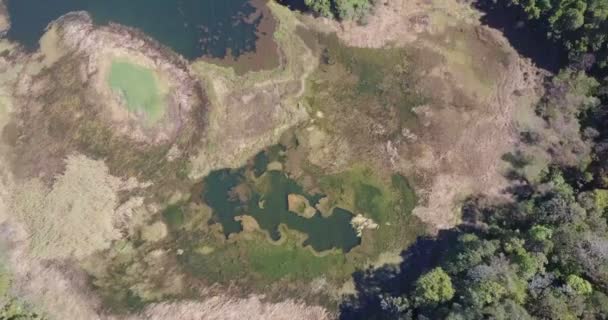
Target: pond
(264, 195)
(139, 87)
(193, 28)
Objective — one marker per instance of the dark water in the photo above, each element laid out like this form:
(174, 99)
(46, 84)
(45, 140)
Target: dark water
(193, 28)
(265, 199)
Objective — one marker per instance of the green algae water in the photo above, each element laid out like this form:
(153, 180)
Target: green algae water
(193, 28)
(139, 87)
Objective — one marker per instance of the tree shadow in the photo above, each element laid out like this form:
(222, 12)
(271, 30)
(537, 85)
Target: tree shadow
(529, 38)
(425, 254)
(517, 159)
(297, 5)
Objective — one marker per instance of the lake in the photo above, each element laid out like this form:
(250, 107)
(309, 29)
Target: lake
(193, 28)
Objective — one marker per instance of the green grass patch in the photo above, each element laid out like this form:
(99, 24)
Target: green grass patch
(406, 197)
(370, 66)
(257, 262)
(250, 260)
(174, 216)
(379, 83)
(363, 192)
(290, 260)
(140, 88)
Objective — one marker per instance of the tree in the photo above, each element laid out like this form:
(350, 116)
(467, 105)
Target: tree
(434, 287)
(320, 7)
(579, 25)
(352, 9)
(540, 233)
(579, 285)
(572, 19)
(486, 292)
(340, 9)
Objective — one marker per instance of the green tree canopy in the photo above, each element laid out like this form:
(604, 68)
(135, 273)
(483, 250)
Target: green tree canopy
(579, 285)
(580, 25)
(340, 9)
(434, 287)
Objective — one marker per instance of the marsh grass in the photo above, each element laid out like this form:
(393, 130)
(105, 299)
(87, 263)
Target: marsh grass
(373, 82)
(377, 84)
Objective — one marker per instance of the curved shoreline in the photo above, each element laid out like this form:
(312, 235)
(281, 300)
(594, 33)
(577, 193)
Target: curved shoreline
(79, 35)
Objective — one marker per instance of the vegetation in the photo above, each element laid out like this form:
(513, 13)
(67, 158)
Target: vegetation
(542, 256)
(14, 310)
(11, 308)
(581, 26)
(434, 287)
(76, 216)
(341, 9)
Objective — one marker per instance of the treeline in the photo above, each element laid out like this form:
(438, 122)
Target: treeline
(581, 26)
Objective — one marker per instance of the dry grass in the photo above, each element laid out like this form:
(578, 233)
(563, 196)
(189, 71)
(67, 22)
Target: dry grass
(225, 308)
(249, 112)
(74, 217)
(402, 21)
(474, 84)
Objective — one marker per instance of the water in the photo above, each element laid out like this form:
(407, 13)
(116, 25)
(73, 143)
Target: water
(231, 194)
(139, 87)
(193, 28)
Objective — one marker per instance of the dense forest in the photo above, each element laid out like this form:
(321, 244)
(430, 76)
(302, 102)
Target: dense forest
(543, 255)
(581, 26)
